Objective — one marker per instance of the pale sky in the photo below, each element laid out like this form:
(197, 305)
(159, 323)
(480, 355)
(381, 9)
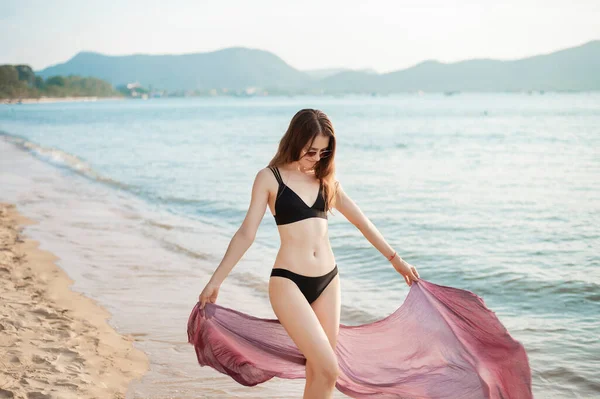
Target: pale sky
(308, 34)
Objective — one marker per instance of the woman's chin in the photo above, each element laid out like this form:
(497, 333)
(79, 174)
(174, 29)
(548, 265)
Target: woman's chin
(307, 167)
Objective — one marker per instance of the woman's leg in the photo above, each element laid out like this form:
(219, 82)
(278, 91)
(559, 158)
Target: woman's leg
(303, 326)
(327, 309)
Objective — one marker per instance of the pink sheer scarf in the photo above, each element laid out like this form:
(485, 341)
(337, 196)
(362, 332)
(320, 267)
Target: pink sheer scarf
(442, 342)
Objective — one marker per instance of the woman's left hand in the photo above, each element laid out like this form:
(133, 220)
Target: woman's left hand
(408, 271)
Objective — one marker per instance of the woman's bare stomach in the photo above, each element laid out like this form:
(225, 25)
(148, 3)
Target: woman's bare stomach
(305, 248)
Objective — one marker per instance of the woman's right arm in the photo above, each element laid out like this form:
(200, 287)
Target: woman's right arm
(243, 238)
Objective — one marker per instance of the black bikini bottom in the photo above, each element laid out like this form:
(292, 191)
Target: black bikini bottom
(311, 287)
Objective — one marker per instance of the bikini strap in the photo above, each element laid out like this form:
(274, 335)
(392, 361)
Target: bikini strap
(277, 174)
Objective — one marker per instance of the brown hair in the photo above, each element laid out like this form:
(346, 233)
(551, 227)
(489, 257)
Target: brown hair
(304, 127)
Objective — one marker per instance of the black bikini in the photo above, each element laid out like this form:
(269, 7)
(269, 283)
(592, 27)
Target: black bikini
(290, 208)
(311, 287)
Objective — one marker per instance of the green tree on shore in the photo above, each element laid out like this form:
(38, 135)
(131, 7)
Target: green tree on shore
(19, 81)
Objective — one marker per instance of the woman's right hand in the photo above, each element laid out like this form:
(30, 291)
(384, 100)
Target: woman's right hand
(209, 294)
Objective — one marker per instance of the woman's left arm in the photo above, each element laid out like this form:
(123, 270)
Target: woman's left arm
(352, 212)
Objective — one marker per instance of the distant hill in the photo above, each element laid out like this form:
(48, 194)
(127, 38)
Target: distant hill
(573, 69)
(324, 73)
(233, 68)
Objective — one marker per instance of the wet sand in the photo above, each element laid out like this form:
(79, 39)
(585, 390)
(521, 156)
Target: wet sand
(56, 343)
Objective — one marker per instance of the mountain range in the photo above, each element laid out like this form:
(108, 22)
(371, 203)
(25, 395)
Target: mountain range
(239, 68)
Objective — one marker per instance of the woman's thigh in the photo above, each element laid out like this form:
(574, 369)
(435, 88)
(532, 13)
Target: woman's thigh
(327, 309)
(301, 322)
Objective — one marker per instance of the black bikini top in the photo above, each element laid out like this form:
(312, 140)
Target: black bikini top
(290, 208)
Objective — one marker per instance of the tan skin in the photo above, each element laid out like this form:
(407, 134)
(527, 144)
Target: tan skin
(305, 249)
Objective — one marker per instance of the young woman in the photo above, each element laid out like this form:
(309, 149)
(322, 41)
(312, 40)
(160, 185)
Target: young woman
(299, 187)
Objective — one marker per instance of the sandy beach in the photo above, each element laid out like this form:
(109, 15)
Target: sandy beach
(56, 343)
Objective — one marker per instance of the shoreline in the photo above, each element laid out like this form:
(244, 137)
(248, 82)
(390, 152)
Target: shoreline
(44, 100)
(57, 342)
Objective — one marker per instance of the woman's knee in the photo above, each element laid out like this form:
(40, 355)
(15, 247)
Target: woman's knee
(327, 372)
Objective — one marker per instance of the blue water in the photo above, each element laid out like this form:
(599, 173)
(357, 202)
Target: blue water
(495, 193)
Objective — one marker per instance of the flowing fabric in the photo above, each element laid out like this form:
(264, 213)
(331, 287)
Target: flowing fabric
(442, 343)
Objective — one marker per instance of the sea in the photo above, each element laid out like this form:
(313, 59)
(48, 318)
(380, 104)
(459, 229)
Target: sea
(495, 193)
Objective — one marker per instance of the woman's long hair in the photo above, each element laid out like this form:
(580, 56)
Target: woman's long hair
(304, 127)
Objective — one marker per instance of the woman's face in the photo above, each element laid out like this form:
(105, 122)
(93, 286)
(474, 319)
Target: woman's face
(312, 153)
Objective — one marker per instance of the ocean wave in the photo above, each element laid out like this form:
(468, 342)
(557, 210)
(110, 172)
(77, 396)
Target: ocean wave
(186, 251)
(77, 165)
(63, 159)
(568, 376)
(374, 147)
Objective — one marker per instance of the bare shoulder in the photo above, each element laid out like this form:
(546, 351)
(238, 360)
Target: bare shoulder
(265, 174)
(337, 186)
(340, 196)
(265, 178)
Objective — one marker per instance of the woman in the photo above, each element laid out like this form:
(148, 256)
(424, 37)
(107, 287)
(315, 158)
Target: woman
(304, 288)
